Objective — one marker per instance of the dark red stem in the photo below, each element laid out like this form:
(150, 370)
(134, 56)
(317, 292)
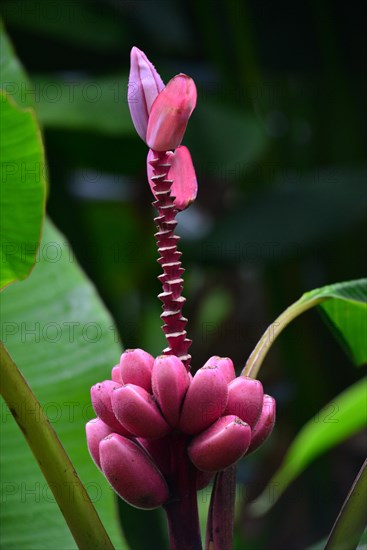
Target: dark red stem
(171, 278)
(182, 509)
(219, 528)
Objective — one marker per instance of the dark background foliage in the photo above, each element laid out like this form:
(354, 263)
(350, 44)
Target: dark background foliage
(278, 142)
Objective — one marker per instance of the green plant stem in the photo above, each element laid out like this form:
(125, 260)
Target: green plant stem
(69, 492)
(261, 349)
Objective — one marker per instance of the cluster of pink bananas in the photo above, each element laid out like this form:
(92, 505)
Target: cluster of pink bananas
(150, 404)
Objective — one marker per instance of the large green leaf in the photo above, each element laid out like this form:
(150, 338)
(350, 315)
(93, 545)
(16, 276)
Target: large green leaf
(61, 337)
(22, 190)
(56, 466)
(321, 544)
(13, 78)
(344, 304)
(349, 525)
(338, 420)
(349, 319)
(346, 309)
(22, 169)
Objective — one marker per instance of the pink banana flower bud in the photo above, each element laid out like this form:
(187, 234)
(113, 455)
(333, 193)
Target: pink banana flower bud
(170, 113)
(132, 474)
(101, 400)
(245, 399)
(221, 445)
(264, 425)
(136, 368)
(225, 365)
(205, 400)
(144, 86)
(170, 382)
(96, 430)
(116, 374)
(184, 187)
(137, 411)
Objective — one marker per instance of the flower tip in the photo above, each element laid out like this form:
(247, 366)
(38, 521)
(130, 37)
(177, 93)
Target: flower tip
(135, 51)
(144, 86)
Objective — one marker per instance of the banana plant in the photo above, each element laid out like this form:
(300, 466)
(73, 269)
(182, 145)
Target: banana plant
(161, 433)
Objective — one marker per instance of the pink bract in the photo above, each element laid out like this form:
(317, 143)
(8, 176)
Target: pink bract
(170, 113)
(144, 86)
(184, 187)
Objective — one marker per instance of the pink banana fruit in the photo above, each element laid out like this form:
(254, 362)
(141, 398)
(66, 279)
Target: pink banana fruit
(225, 365)
(205, 400)
(170, 381)
(101, 400)
(221, 445)
(136, 368)
(132, 473)
(264, 425)
(96, 430)
(245, 399)
(137, 411)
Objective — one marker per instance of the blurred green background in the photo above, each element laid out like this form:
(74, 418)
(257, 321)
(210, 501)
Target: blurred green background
(278, 140)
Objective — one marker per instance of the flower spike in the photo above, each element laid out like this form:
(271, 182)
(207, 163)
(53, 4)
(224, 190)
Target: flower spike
(161, 434)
